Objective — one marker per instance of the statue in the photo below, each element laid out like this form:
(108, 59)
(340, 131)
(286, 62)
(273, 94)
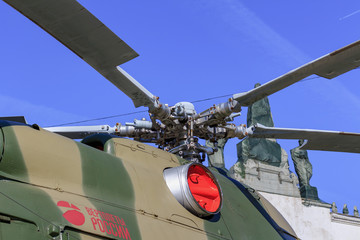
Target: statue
(303, 169)
(260, 112)
(334, 208)
(345, 209)
(267, 151)
(356, 212)
(262, 163)
(217, 159)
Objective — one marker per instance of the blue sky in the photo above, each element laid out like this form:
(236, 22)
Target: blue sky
(191, 50)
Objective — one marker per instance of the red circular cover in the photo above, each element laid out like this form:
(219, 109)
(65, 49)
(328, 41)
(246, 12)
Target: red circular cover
(203, 188)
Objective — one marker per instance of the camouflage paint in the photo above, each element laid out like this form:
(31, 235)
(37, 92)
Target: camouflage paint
(242, 218)
(173, 221)
(118, 194)
(27, 219)
(109, 188)
(12, 163)
(145, 165)
(83, 190)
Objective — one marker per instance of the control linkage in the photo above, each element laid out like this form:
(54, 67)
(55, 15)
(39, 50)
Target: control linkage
(176, 129)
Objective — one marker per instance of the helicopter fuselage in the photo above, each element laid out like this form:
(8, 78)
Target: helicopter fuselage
(109, 187)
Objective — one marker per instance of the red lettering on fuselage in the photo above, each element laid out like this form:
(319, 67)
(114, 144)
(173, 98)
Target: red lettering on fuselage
(94, 222)
(101, 221)
(106, 222)
(112, 226)
(106, 229)
(119, 230)
(100, 224)
(126, 233)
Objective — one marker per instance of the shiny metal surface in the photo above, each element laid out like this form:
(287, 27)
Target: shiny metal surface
(176, 180)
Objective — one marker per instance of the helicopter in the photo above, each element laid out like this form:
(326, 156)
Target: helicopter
(111, 220)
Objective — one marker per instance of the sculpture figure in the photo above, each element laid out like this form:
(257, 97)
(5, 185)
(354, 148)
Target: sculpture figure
(303, 167)
(260, 112)
(345, 209)
(262, 163)
(217, 159)
(334, 208)
(356, 212)
(263, 150)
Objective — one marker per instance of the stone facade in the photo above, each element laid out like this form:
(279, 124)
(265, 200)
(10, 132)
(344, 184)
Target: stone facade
(313, 219)
(263, 165)
(267, 178)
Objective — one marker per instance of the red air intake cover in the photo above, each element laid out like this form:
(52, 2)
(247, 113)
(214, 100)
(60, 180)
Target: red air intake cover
(196, 188)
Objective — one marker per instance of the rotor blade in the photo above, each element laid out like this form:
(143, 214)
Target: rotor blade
(328, 66)
(132, 88)
(80, 31)
(316, 139)
(79, 132)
